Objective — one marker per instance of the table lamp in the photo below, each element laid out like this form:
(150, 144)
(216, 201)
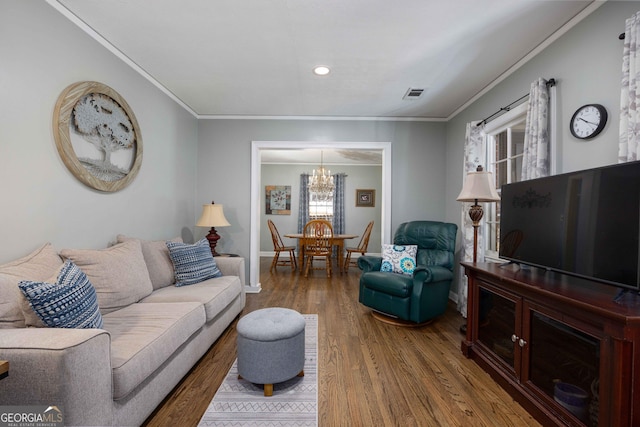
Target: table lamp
(478, 187)
(212, 216)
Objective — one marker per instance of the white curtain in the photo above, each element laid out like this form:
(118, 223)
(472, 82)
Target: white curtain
(629, 143)
(535, 162)
(474, 155)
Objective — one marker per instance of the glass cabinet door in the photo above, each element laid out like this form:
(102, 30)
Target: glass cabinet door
(563, 364)
(496, 325)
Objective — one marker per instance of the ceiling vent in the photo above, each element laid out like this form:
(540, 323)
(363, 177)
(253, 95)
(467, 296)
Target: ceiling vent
(413, 93)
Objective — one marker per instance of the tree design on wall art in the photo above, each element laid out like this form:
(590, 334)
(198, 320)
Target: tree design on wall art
(102, 122)
(97, 136)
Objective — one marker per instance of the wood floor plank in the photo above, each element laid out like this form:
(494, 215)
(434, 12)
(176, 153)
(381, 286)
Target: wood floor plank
(370, 373)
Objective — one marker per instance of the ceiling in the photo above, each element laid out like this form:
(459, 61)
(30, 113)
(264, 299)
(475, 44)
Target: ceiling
(229, 58)
(329, 157)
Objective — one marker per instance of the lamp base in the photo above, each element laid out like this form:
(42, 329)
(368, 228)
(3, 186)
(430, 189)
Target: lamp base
(475, 213)
(213, 238)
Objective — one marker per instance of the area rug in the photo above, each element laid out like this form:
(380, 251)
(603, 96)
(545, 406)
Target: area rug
(294, 402)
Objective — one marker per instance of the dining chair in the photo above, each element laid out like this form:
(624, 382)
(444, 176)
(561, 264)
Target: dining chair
(278, 247)
(361, 248)
(318, 241)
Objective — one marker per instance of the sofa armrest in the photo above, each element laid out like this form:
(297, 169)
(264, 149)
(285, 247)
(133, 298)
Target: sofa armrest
(232, 266)
(368, 263)
(430, 293)
(432, 273)
(70, 368)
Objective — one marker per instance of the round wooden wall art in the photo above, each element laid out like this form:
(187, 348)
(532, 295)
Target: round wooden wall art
(97, 136)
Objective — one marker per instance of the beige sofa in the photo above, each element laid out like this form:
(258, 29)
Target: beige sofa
(153, 332)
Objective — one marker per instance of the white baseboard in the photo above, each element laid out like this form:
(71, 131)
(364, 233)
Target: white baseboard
(253, 289)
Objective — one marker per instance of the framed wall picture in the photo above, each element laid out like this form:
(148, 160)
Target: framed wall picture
(97, 136)
(278, 199)
(366, 198)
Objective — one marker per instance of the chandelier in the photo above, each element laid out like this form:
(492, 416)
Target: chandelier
(321, 183)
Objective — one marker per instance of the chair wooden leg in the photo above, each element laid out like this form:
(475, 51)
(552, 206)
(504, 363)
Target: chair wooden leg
(294, 264)
(347, 260)
(328, 266)
(274, 262)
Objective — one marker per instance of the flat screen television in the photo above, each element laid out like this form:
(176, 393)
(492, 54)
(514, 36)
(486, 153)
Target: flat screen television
(583, 223)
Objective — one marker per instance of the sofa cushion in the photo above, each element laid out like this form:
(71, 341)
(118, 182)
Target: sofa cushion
(156, 256)
(399, 258)
(144, 336)
(215, 294)
(41, 264)
(193, 263)
(119, 273)
(69, 302)
(397, 285)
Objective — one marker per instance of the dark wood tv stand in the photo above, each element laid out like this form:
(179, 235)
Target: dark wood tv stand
(536, 332)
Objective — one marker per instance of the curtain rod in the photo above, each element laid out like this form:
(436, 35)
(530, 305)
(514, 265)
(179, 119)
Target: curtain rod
(550, 83)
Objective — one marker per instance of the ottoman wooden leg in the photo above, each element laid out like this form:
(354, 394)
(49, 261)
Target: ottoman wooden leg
(268, 390)
(301, 374)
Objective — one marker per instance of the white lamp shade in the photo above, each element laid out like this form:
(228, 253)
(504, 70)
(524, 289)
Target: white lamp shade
(478, 186)
(212, 216)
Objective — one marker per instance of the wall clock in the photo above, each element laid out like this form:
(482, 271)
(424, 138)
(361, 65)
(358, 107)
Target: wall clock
(97, 136)
(588, 121)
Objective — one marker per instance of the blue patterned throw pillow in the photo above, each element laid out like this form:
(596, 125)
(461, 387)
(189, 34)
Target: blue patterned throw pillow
(70, 302)
(193, 263)
(398, 258)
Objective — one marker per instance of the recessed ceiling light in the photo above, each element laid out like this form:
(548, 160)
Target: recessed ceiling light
(321, 70)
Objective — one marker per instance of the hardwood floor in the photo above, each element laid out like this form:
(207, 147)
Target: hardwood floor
(370, 373)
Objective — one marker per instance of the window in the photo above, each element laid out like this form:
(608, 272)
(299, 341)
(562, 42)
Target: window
(505, 150)
(320, 208)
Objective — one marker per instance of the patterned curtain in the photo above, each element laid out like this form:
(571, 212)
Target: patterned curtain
(338, 203)
(629, 143)
(338, 206)
(535, 163)
(474, 155)
(303, 206)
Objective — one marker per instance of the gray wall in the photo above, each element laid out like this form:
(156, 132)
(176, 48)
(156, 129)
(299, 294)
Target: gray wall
(587, 63)
(356, 218)
(224, 165)
(189, 162)
(41, 201)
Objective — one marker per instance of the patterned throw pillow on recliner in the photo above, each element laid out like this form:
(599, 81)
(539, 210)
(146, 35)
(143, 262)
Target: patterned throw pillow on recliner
(399, 258)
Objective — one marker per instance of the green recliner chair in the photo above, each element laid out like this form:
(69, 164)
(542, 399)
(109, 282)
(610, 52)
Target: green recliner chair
(419, 297)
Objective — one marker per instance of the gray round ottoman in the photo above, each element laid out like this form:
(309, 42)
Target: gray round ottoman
(271, 346)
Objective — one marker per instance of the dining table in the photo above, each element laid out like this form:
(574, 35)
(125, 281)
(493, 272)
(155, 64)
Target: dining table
(338, 240)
